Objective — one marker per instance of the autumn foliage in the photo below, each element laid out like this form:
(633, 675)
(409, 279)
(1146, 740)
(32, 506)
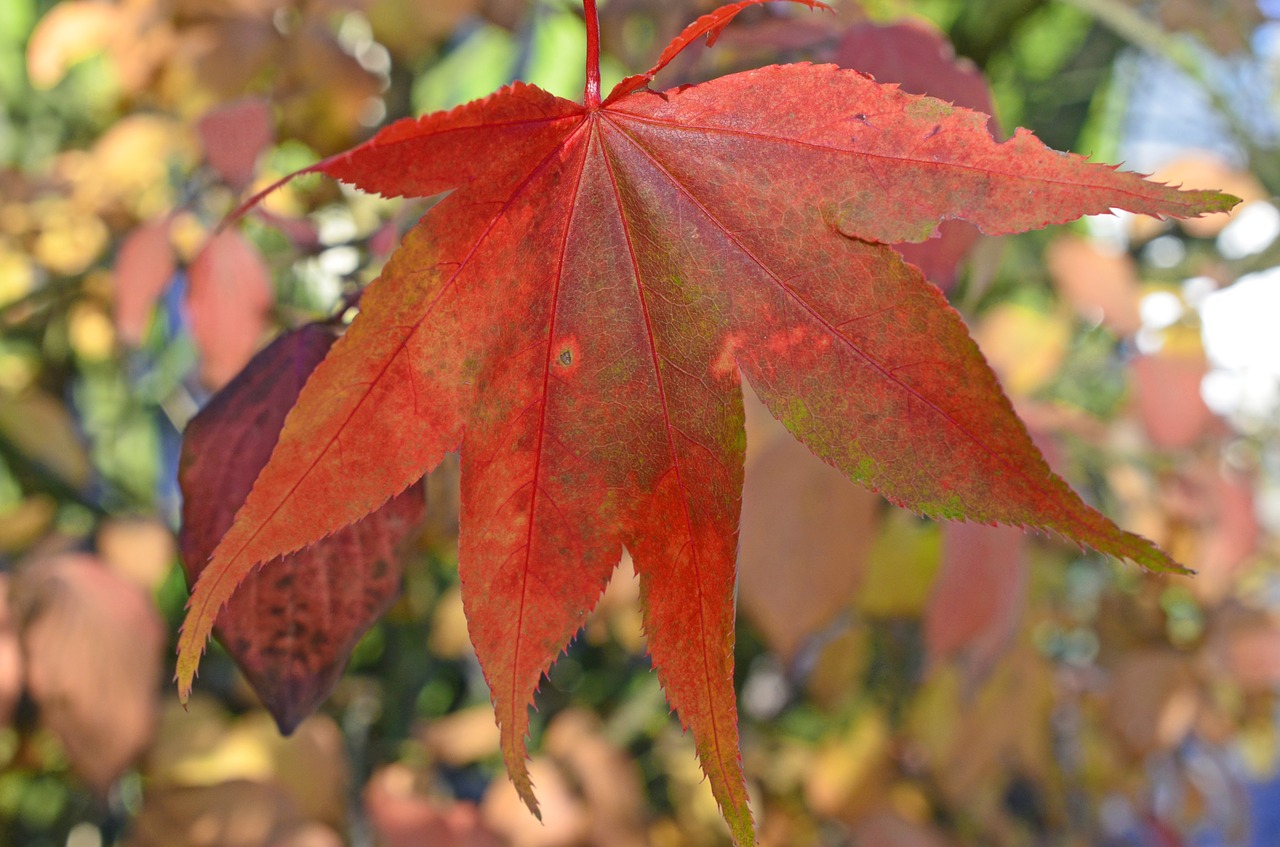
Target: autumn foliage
(658, 246)
(624, 369)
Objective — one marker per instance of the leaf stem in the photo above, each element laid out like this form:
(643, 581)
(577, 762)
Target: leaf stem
(591, 95)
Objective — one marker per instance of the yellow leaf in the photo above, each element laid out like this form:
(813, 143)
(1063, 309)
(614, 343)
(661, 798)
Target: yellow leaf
(901, 567)
(1024, 346)
(71, 32)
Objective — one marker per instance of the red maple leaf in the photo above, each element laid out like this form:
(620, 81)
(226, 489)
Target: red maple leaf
(577, 315)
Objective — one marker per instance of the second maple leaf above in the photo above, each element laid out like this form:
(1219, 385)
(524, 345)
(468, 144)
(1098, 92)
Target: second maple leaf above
(578, 313)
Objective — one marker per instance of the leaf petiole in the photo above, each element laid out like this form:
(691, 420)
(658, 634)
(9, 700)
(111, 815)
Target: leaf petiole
(591, 94)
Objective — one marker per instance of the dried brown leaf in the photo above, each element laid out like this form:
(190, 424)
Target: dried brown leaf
(92, 642)
(804, 542)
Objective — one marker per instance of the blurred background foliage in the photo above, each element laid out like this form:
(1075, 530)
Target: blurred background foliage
(901, 682)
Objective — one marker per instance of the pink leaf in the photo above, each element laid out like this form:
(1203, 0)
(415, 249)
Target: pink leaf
(228, 300)
(234, 135)
(144, 265)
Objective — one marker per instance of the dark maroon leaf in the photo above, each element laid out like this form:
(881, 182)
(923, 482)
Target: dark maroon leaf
(291, 629)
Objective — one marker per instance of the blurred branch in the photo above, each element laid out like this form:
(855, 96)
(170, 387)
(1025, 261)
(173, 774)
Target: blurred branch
(1144, 33)
(22, 309)
(34, 476)
(1151, 37)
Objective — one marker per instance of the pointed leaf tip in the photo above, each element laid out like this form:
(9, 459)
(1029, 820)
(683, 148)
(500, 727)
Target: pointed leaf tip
(191, 646)
(1225, 202)
(517, 761)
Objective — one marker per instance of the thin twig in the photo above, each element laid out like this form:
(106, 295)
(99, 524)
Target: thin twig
(1151, 37)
